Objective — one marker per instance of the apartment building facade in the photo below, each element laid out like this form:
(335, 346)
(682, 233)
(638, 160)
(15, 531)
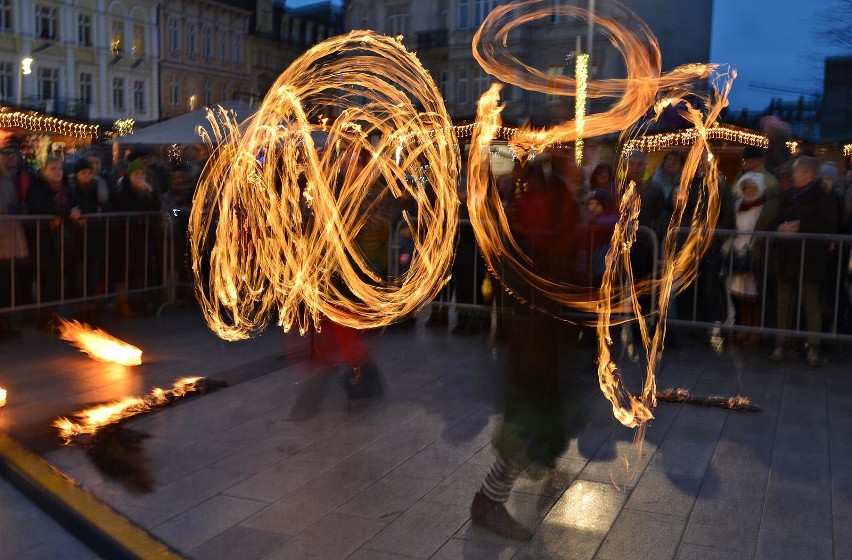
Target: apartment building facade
(205, 61)
(89, 60)
(441, 33)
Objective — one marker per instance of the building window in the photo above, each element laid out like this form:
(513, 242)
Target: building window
(138, 48)
(139, 96)
(208, 94)
(117, 36)
(45, 22)
(174, 86)
(463, 87)
(206, 44)
(397, 20)
(237, 53)
(443, 83)
(7, 73)
(480, 10)
(48, 83)
(5, 15)
(223, 94)
(190, 39)
(464, 11)
(223, 45)
(85, 88)
(173, 35)
(84, 30)
(118, 95)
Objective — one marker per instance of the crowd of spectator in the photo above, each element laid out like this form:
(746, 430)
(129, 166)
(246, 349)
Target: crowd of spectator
(79, 250)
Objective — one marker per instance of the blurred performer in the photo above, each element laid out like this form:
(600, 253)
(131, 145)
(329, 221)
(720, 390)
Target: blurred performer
(546, 220)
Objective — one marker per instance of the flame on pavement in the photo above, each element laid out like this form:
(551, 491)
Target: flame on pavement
(90, 420)
(98, 344)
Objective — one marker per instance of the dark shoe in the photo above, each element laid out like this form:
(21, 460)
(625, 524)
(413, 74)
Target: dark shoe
(494, 517)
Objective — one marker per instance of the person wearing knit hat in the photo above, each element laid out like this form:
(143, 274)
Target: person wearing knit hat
(751, 178)
(744, 254)
(135, 194)
(81, 165)
(830, 176)
(753, 161)
(598, 198)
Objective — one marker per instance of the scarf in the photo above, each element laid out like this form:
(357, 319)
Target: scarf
(745, 205)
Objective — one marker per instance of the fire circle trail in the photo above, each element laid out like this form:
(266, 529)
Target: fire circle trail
(358, 118)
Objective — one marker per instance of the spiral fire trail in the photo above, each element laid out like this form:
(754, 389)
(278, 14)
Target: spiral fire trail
(279, 215)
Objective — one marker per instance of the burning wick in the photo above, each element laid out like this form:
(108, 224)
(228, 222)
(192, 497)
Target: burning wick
(680, 395)
(98, 417)
(2, 397)
(98, 344)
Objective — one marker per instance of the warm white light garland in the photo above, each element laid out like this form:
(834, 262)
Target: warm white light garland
(42, 123)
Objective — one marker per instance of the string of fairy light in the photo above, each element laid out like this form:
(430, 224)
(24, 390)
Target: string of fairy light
(46, 124)
(657, 142)
(581, 75)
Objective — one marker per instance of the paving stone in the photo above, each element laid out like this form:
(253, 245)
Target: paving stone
(276, 481)
(238, 542)
(334, 537)
(664, 494)
(299, 510)
(480, 548)
(639, 534)
(421, 530)
(773, 545)
(203, 522)
(388, 497)
(688, 551)
(734, 523)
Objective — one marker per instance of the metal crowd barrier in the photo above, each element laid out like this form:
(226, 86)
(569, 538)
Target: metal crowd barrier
(500, 301)
(715, 269)
(65, 248)
(159, 235)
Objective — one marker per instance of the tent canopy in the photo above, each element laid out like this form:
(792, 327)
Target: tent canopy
(182, 129)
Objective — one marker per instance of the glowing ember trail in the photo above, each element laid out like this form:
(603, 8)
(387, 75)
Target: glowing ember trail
(97, 417)
(645, 88)
(2, 397)
(279, 213)
(98, 344)
(737, 402)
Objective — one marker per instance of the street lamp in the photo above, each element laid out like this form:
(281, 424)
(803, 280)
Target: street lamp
(26, 69)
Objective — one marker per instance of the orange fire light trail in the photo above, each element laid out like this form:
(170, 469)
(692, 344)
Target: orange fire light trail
(98, 344)
(645, 88)
(278, 215)
(93, 419)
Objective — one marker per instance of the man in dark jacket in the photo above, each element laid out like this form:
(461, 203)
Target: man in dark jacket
(805, 209)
